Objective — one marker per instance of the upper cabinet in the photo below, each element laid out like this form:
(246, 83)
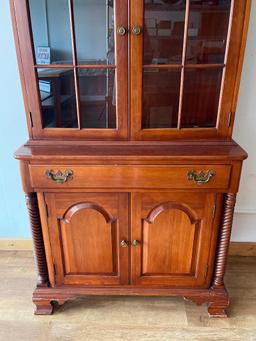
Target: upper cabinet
(75, 56)
(184, 64)
(171, 71)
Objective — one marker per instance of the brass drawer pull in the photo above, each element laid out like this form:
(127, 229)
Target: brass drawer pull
(202, 177)
(59, 177)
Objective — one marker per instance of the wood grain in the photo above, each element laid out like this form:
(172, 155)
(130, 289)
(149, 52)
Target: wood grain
(173, 251)
(87, 230)
(131, 176)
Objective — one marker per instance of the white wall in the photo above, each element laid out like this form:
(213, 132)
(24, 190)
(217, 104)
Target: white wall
(90, 27)
(13, 215)
(245, 134)
(13, 132)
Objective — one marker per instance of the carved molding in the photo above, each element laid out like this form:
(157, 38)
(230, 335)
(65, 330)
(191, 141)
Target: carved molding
(81, 206)
(224, 239)
(156, 211)
(37, 237)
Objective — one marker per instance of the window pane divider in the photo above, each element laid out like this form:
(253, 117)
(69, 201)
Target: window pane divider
(205, 66)
(74, 56)
(72, 66)
(162, 66)
(185, 38)
(186, 66)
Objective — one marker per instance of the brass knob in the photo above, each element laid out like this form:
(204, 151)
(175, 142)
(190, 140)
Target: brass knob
(136, 30)
(135, 243)
(121, 31)
(124, 243)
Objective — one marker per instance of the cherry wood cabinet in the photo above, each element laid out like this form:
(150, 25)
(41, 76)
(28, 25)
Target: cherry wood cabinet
(172, 235)
(130, 172)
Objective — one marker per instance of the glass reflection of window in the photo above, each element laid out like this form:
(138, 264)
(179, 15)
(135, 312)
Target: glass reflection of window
(94, 37)
(207, 31)
(63, 87)
(191, 37)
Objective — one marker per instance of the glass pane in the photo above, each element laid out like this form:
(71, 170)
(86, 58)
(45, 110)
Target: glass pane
(97, 98)
(201, 97)
(161, 90)
(58, 100)
(94, 26)
(207, 31)
(163, 31)
(51, 31)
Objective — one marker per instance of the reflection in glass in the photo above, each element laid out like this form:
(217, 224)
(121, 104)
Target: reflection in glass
(207, 31)
(163, 31)
(58, 101)
(161, 89)
(201, 97)
(51, 31)
(94, 26)
(97, 98)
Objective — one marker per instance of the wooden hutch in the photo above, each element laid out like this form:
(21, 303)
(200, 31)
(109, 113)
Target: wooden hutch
(130, 172)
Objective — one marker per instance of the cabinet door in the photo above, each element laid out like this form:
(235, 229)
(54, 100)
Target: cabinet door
(86, 231)
(172, 238)
(74, 58)
(184, 62)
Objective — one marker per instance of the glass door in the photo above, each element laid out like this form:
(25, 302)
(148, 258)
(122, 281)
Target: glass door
(181, 67)
(79, 67)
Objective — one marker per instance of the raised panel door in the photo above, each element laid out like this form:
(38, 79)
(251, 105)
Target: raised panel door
(75, 61)
(184, 60)
(86, 231)
(172, 235)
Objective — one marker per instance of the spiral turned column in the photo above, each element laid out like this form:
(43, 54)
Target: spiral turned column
(224, 239)
(39, 252)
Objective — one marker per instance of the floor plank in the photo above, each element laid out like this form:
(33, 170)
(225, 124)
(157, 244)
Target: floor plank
(123, 318)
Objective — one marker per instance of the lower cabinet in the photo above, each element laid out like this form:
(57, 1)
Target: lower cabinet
(142, 239)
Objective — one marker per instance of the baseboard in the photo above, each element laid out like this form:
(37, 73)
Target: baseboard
(235, 249)
(16, 244)
(242, 249)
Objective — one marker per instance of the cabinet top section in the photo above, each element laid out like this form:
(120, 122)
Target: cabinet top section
(133, 153)
(130, 70)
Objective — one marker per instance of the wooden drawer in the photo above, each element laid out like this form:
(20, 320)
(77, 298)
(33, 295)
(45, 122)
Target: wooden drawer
(125, 176)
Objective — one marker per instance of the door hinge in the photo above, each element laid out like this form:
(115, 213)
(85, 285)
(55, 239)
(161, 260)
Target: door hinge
(214, 210)
(46, 210)
(229, 118)
(31, 119)
(54, 269)
(206, 271)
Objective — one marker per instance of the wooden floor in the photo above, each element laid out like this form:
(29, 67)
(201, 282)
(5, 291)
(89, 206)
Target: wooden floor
(99, 318)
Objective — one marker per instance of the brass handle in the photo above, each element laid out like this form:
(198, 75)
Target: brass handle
(59, 177)
(136, 30)
(124, 243)
(121, 31)
(202, 177)
(135, 243)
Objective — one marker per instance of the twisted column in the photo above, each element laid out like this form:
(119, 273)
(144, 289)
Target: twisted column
(224, 239)
(39, 252)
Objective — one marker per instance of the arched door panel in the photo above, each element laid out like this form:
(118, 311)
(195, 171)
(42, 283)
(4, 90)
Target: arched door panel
(174, 234)
(87, 229)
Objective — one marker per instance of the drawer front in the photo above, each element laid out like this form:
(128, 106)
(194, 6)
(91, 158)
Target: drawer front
(124, 176)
